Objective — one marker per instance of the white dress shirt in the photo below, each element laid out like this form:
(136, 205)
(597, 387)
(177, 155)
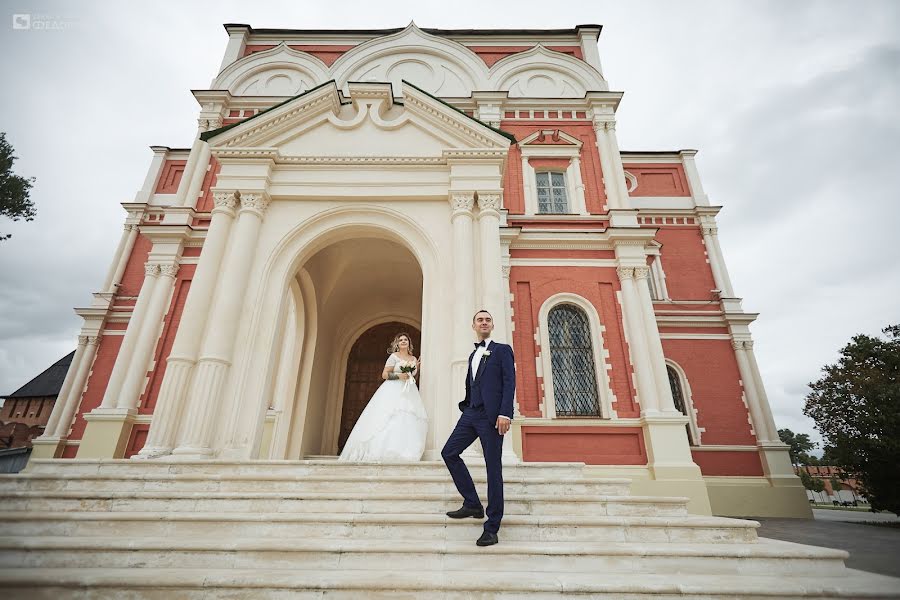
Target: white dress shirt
(476, 360)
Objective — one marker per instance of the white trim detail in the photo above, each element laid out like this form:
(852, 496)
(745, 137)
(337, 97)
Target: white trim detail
(602, 365)
(568, 147)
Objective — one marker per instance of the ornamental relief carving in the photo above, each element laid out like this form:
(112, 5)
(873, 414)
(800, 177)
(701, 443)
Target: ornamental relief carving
(489, 201)
(255, 201)
(225, 200)
(151, 269)
(641, 272)
(625, 273)
(169, 270)
(462, 201)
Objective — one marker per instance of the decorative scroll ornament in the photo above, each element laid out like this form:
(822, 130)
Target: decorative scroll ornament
(462, 202)
(169, 270)
(257, 202)
(225, 200)
(489, 201)
(625, 273)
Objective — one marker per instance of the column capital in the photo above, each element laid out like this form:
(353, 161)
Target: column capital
(225, 201)
(604, 123)
(462, 202)
(131, 227)
(83, 340)
(90, 340)
(256, 202)
(169, 269)
(737, 344)
(489, 203)
(641, 272)
(506, 270)
(151, 269)
(208, 124)
(625, 273)
(710, 230)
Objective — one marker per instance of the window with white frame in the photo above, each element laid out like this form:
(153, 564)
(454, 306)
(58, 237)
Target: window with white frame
(551, 192)
(572, 360)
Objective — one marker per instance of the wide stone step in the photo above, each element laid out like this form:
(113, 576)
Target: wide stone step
(683, 529)
(191, 584)
(285, 468)
(372, 484)
(346, 503)
(768, 557)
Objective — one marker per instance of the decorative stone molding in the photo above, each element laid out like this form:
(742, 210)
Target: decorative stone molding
(83, 340)
(506, 270)
(225, 201)
(489, 202)
(737, 344)
(169, 270)
(641, 272)
(625, 273)
(462, 202)
(151, 269)
(707, 230)
(255, 201)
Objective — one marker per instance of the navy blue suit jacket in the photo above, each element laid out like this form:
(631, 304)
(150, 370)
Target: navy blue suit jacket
(494, 383)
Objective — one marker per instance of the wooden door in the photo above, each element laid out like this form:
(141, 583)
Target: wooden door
(364, 367)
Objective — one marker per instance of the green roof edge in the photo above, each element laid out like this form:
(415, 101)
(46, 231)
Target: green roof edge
(505, 134)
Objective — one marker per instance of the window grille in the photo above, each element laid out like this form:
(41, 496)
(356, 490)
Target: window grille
(572, 359)
(551, 193)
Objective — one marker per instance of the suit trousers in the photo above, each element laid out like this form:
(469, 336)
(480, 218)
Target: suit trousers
(474, 423)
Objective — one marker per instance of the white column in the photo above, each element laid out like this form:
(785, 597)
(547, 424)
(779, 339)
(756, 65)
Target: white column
(611, 183)
(186, 347)
(149, 335)
(73, 398)
(716, 261)
(637, 342)
(196, 166)
(581, 203)
(762, 398)
(132, 333)
(654, 343)
(461, 204)
(61, 398)
(751, 393)
(218, 344)
(123, 252)
(493, 296)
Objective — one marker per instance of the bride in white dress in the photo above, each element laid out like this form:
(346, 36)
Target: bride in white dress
(393, 426)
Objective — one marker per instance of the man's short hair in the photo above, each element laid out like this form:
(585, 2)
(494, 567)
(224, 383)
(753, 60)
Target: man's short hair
(482, 311)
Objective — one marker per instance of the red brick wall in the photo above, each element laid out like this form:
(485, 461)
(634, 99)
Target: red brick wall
(170, 177)
(712, 373)
(96, 384)
(658, 180)
(727, 463)
(688, 274)
(590, 445)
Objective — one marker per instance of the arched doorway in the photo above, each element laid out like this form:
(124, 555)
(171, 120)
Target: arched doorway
(364, 366)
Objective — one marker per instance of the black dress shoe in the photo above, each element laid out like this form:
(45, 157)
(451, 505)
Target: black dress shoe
(487, 539)
(465, 511)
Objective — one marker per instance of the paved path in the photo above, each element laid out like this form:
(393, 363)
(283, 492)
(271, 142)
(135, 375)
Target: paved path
(874, 549)
(854, 516)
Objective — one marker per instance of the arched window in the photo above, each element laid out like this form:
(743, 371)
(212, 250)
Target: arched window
(683, 404)
(572, 360)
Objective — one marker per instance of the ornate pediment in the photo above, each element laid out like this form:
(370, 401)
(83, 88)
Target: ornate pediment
(368, 126)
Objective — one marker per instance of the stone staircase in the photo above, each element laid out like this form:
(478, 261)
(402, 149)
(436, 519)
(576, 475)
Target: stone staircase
(322, 529)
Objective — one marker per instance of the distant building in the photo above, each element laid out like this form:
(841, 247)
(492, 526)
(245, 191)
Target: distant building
(849, 488)
(26, 411)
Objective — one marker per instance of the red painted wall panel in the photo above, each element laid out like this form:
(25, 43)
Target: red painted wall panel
(96, 384)
(133, 276)
(492, 54)
(205, 204)
(170, 177)
(591, 445)
(725, 463)
(658, 180)
(688, 275)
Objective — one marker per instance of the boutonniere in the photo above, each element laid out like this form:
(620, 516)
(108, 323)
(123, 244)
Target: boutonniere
(486, 353)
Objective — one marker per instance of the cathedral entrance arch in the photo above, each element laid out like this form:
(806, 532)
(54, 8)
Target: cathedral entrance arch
(364, 367)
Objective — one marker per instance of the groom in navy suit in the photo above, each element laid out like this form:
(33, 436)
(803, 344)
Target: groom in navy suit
(486, 414)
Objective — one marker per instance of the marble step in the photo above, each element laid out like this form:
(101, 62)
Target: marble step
(285, 468)
(300, 584)
(348, 503)
(767, 557)
(681, 529)
(325, 483)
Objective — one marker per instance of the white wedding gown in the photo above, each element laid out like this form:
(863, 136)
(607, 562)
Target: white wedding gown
(392, 427)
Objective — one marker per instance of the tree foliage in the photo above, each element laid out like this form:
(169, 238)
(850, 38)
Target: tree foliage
(856, 407)
(800, 445)
(15, 190)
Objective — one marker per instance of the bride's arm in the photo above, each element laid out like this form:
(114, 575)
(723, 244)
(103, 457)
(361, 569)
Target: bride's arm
(388, 372)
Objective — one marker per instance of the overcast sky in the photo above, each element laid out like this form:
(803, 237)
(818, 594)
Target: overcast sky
(794, 106)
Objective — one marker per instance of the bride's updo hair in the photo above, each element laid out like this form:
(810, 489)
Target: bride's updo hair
(395, 345)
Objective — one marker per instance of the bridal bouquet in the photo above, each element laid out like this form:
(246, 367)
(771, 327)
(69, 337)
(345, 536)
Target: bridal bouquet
(408, 367)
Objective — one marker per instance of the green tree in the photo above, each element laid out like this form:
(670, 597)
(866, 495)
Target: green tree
(15, 190)
(836, 485)
(800, 446)
(811, 483)
(856, 407)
